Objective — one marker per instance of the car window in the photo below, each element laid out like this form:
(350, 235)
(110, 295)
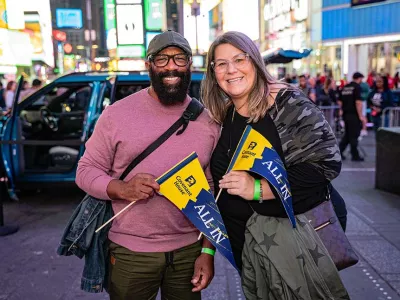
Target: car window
(126, 89)
(63, 99)
(69, 99)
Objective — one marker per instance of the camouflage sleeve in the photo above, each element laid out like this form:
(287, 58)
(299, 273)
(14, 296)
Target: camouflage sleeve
(305, 134)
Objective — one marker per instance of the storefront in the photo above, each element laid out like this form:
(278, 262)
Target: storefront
(362, 45)
(286, 26)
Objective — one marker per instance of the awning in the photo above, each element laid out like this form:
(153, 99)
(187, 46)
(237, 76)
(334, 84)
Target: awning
(280, 56)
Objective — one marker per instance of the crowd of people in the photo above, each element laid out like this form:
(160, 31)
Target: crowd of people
(7, 93)
(324, 90)
(356, 105)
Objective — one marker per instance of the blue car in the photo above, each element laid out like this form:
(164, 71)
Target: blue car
(44, 135)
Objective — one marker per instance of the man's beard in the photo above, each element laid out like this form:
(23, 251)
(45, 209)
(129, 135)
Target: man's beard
(170, 94)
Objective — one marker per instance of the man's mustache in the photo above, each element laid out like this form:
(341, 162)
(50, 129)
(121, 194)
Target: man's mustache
(171, 74)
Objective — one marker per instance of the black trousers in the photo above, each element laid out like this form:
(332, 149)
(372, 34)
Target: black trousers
(352, 131)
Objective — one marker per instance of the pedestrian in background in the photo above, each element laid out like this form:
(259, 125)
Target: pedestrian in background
(238, 92)
(305, 87)
(380, 97)
(326, 95)
(396, 80)
(153, 245)
(9, 94)
(36, 84)
(351, 105)
(2, 101)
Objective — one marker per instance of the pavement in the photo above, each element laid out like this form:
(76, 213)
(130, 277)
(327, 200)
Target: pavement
(30, 269)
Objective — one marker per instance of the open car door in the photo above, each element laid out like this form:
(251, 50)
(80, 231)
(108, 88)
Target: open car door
(9, 145)
(106, 97)
(47, 131)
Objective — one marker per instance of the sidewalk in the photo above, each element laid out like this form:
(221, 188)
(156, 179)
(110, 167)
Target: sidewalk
(373, 229)
(31, 270)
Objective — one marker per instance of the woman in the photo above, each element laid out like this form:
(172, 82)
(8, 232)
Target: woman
(9, 94)
(379, 98)
(238, 91)
(326, 96)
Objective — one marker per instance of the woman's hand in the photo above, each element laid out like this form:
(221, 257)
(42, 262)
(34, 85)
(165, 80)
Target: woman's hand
(238, 183)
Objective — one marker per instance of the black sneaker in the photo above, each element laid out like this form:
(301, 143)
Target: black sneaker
(357, 159)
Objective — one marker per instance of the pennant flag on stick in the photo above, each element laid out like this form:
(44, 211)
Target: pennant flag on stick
(186, 186)
(255, 153)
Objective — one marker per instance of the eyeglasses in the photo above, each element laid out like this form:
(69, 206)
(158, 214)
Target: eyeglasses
(240, 61)
(161, 60)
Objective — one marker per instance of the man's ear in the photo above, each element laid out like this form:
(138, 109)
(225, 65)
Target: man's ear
(148, 65)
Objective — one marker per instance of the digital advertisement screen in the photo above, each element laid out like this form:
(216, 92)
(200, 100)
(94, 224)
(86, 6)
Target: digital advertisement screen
(153, 13)
(69, 18)
(129, 24)
(150, 36)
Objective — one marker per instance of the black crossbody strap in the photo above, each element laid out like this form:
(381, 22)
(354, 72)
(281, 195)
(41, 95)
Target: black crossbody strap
(191, 113)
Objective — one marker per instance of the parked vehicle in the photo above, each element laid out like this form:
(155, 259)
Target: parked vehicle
(43, 137)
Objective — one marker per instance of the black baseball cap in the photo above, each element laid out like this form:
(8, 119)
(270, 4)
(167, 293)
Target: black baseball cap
(357, 75)
(167, 39)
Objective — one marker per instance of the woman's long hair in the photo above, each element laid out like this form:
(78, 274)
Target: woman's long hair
(327, 84)
(9, 85)
(214, 97)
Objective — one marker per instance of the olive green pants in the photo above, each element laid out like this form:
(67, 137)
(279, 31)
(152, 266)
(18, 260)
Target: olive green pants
(140, 275)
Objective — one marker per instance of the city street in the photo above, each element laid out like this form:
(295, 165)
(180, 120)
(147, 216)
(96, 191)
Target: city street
(30, 269)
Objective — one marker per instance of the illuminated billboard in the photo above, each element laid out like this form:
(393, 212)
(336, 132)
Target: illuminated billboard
(232, 13)
(15, 15)
(153, 13)
(130, 51)
(110, 24)
(34, 10)
(129, 1)
(3, 19)
(130, 24)
(69, 18)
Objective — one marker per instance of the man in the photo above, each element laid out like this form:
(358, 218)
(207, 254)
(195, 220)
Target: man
(351, 105)
(305, 87)
(152, 245)
(36, 84)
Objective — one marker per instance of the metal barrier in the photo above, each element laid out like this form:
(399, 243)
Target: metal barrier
(391, 117)
(331, 114)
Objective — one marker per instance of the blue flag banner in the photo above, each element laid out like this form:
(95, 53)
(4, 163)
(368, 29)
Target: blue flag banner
(187, 187)
(255, 153)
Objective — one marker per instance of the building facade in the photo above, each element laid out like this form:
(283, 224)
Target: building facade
(360, 35)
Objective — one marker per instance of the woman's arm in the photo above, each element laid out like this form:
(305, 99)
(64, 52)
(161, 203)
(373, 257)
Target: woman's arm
(308, 142)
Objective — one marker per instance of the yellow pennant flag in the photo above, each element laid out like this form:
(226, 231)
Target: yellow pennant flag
(187, 187)
(255, 153)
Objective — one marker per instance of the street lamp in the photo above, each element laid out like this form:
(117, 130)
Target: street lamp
(195, 6)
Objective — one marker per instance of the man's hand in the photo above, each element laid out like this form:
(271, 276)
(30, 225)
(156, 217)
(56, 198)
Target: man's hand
(142, 186)
(203, 272)
(364, 123)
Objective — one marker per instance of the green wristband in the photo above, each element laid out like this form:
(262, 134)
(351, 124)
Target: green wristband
(208, 251)
(257, 189)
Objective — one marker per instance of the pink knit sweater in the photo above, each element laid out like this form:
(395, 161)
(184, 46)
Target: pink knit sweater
(122, 132)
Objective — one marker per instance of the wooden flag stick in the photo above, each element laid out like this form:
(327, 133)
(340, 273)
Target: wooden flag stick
(216, 200)
(125, 208)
